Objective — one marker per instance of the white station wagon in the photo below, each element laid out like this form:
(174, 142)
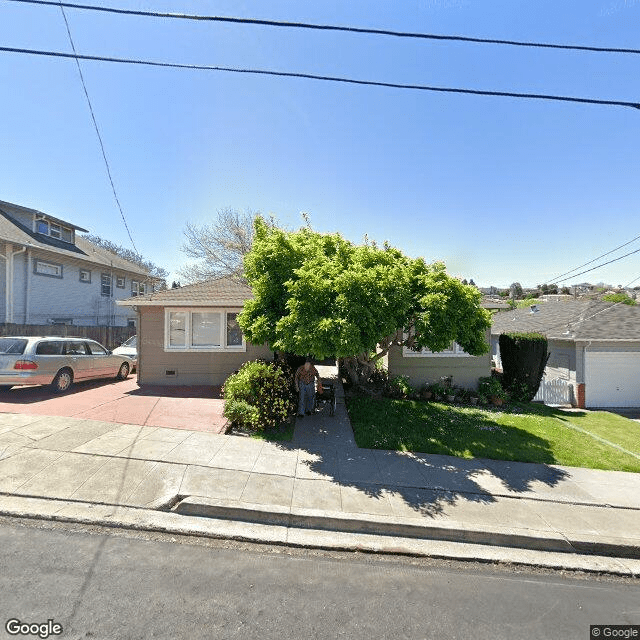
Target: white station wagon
(29, 360)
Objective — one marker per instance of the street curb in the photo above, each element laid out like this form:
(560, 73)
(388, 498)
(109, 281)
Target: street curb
(140, 519)
(404, 527)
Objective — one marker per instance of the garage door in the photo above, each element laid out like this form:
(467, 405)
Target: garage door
(612, 379)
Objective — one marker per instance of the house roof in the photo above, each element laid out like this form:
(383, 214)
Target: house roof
(573, 320)
(13, 231)
(220, 292)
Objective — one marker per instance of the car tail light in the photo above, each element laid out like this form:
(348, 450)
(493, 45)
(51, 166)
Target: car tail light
(25, 364)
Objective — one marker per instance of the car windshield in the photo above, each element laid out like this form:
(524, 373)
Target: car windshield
(131, 342)
(12, 345)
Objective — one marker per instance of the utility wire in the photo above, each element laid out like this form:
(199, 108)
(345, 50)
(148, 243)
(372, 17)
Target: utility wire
(602, 265)
(329, 27)
(311, 76)
(95, 124)
(567, 273)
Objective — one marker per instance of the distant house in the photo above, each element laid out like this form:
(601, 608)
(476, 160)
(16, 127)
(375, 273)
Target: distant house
(594, 346)
(50, 275)
(190, 335)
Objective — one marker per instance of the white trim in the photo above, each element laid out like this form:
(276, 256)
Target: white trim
(456, 352)
(188, 311)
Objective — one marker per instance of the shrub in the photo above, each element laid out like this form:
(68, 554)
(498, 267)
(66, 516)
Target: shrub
(400, 387)
(524, 357)
(241, 413)
(489, 387)
(259, 395)
(619, 297)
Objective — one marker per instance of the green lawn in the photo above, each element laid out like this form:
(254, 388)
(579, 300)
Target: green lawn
(283, 434)
(528, 433)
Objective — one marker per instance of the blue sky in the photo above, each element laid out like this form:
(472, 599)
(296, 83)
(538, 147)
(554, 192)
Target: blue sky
(500, 189)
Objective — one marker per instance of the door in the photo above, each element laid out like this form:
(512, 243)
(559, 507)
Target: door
(612, 378)
(79, 357)
(102, 362)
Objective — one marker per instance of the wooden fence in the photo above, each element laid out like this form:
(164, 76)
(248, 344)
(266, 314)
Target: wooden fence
(110, 337)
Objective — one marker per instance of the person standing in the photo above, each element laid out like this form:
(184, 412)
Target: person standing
(305, 380)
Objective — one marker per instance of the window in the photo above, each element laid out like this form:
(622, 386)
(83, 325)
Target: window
(202, 330)
(85, 276)
(234, 333)
(47, 269)
(454, 350)
(54, 230)
(131, 322)
(50, 348)
(120, 282)
(96, 349)
(177, 329)
(77, 349)
(138, 288)
(12, 346)
(68, 321)
(105, 288)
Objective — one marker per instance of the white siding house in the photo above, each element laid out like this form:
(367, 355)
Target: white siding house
(51, 275)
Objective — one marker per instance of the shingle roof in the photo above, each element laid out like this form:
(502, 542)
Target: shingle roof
(13, 231)
(220, 292)
(573, 320)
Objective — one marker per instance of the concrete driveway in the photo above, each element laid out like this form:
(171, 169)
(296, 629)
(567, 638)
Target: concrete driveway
(195, 408)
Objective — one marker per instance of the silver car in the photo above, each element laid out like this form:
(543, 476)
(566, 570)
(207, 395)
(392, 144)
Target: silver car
(129, 348)
(57, 362)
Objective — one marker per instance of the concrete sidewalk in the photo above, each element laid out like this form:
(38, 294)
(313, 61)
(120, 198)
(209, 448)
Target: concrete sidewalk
(319, 490)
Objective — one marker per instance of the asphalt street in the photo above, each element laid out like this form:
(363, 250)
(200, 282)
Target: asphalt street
(108, 584)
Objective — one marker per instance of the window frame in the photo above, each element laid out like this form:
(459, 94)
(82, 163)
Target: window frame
(57, 265)
(80, 272)
(102, 285)
(455, 351)
(54, 230)
(124, 282)
(188, 346)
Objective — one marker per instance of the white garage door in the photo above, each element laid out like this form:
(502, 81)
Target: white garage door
(612, 379)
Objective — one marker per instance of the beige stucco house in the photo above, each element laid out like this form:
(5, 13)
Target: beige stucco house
(190, 335)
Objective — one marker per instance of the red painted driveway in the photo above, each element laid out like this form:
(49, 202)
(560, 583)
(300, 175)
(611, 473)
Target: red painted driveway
(195, 408)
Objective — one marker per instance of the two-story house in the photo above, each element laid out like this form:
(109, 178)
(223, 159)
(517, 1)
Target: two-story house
(51, 275)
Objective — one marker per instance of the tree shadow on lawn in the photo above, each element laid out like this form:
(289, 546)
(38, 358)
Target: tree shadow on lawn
(427, 480)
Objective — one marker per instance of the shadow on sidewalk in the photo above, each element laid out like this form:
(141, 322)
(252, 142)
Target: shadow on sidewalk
(420, 482)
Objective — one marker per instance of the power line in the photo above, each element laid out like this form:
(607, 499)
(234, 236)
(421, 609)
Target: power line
(95, 125)
(557, 278)
(603, 264)
(329, 27)
(311, 76)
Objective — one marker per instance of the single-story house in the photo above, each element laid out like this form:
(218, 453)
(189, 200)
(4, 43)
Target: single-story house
(190, 336)
(595, 346)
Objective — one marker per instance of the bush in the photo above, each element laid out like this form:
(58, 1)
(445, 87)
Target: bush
(489, 387)
(524, 357)
(399, 387)
(259, 395)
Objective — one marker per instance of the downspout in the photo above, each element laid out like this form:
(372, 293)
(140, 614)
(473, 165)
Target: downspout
(27, 300)
(13, 255)
(6, 281)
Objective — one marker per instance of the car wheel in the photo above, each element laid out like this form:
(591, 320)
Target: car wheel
(123, 372)
(5, 387)
(62, 381)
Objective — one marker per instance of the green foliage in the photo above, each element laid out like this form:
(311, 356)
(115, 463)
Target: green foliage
(259, 395)
(619, 297)
(400, 387)
(241, 413)
(489, 387)
(320, 294)
(524, 357)
(527, 302)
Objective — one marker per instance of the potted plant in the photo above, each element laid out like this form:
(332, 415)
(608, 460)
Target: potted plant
(491, 388)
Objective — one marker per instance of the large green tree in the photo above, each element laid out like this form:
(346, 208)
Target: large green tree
(320, 294)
